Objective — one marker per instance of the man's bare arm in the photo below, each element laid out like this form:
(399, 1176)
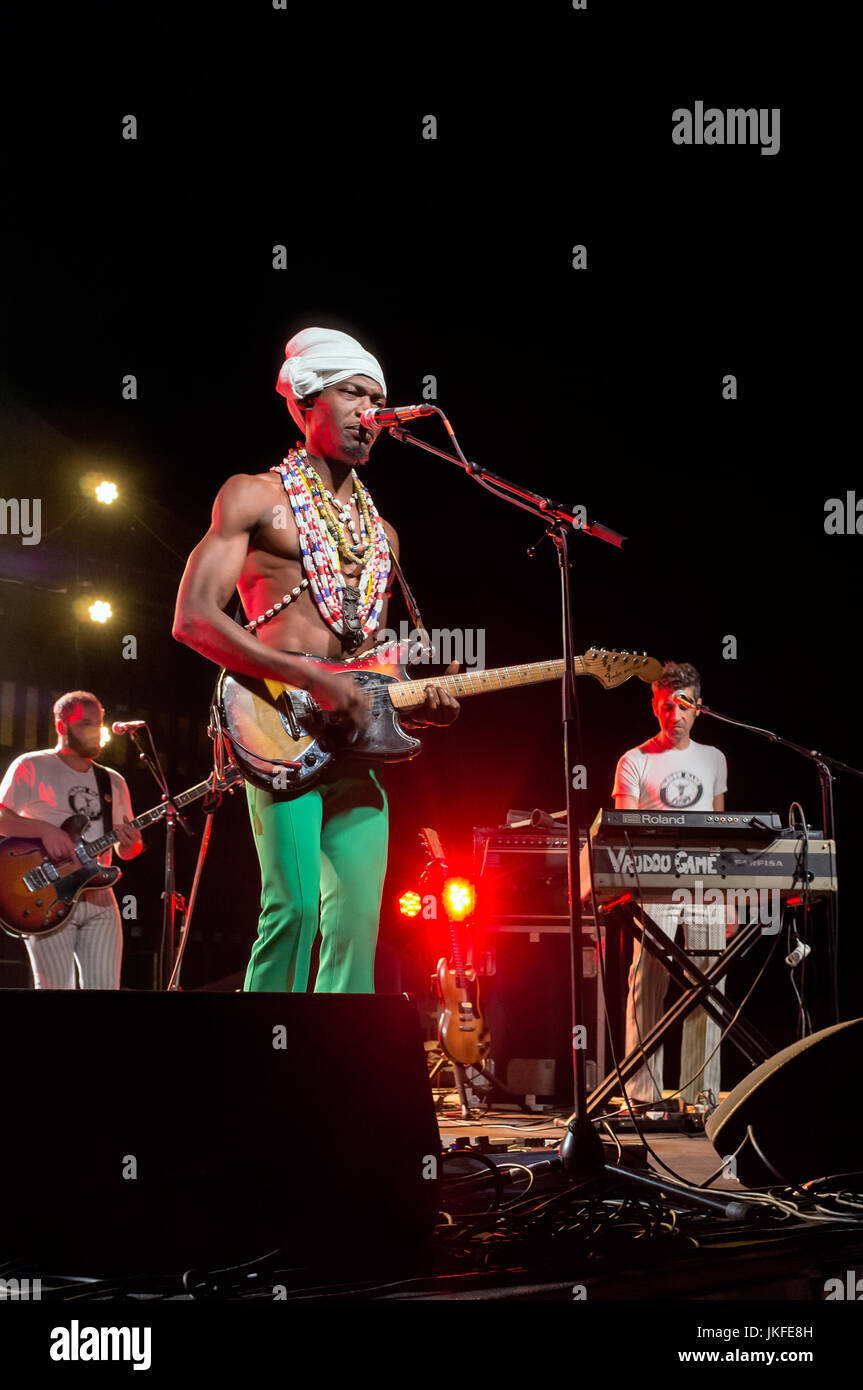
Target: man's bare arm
(58, 844)
(210, 578)
(626, 803)
(208, 582)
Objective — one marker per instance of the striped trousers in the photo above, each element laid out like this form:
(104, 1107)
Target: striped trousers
(704, 929)
(92, 940)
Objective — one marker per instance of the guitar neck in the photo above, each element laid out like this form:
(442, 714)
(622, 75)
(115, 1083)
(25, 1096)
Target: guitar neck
(408, 694)
(460, 977)
(96, 847)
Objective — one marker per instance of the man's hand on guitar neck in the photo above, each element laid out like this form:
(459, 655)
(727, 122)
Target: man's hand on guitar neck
(130, 842)
(439, 707)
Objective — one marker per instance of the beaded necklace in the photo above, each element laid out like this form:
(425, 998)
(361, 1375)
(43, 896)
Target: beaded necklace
(353, 610)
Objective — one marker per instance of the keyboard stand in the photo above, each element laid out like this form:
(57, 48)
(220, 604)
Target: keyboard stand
(700, 988)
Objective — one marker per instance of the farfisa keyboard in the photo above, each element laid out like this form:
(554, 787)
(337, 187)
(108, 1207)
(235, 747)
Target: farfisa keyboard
(649, 853)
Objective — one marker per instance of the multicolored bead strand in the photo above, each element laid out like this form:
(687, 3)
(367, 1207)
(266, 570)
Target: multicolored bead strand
(322, 541)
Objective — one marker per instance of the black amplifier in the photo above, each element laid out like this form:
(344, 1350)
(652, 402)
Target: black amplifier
(522, 955)
(522, 880)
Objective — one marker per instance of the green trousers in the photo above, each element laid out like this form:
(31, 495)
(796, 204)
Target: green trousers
(323, 857)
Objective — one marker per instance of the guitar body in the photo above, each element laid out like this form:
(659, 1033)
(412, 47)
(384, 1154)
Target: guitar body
(37, 895)
(462, 1031)
(271, 726)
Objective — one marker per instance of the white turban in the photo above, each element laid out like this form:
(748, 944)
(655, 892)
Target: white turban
(320, 357)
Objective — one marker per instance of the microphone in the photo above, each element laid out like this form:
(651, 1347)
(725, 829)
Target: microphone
(684, 701)
(130, 727)
(384, 417)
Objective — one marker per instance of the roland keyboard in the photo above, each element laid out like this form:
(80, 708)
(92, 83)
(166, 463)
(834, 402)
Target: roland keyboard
(649, 854)
(613, 827)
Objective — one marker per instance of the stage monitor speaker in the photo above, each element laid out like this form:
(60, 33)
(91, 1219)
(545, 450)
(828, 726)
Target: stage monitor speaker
(801, 1107)
(162, 1131)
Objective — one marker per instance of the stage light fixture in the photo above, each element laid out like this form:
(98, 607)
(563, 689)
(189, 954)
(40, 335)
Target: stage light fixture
(459, 899)
(100, 611)
(107, 493)
(410, 904)
(104, 736)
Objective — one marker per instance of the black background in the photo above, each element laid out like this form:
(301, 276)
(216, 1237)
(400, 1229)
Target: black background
(449, 257)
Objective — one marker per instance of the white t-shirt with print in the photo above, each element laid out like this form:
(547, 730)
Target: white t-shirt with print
(43, 786)
(672, 779)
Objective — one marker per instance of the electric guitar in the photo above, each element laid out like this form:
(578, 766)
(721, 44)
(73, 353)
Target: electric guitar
(38, 894)
(283, 740)
(462, 1030)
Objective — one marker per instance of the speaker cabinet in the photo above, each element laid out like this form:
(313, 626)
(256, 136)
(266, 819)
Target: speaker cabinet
(801, 1107)
(161, 1131)
(526, 997)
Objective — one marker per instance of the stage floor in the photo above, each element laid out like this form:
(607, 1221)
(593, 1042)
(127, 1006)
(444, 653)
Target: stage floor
(691, 1155)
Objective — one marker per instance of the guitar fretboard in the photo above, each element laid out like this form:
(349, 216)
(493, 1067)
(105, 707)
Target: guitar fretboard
(96, 847)
(407, 694)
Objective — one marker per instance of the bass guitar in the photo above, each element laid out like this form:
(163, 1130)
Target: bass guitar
(38, 894)
(284, 741)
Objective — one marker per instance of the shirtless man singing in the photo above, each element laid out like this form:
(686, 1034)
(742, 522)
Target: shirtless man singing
(310, 555)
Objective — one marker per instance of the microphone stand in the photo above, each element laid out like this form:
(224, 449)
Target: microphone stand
(823, 765)
(582, 1157)
(581, 1152)
(171, 899)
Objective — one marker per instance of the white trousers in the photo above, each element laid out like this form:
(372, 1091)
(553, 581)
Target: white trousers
(704, 930)
(92, 939)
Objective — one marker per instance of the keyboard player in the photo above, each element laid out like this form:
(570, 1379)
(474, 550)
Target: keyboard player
(671, 772)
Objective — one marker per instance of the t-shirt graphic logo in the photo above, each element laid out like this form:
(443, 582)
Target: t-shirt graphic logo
(26, 774)
(680, 789)
(85, 799)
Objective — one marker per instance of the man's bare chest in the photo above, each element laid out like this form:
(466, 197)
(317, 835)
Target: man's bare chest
(276, 545)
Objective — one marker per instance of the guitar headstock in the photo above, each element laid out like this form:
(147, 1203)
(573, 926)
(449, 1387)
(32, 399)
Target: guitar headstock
(613, 668)
(431, 842)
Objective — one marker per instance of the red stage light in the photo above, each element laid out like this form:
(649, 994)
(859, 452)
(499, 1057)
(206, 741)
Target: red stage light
(459, 898)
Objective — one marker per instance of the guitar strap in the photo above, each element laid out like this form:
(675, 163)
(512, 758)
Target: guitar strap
(412, 605)
(103, 784)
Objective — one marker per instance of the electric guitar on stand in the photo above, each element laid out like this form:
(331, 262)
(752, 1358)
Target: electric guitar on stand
(462, 1031)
